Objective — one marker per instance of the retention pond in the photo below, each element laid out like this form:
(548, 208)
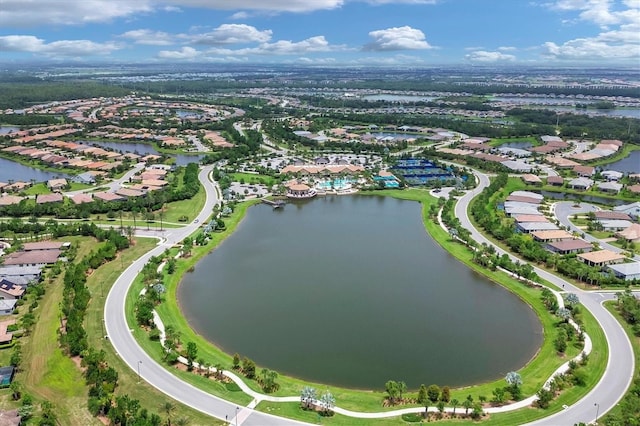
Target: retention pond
(352, 291)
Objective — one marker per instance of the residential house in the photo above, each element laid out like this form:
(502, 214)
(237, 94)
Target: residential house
(555, 180)
(581, 183)
(56, 197)
(631, 233)
(601, 257)
(632, 209)
(626, 271)
(569, 246)
(585, 171)
(32, 258)
(10, 291)
(552, 235)
(612, 175)
(56, 184)
(7, 307)
(614, 224)
(612, 187)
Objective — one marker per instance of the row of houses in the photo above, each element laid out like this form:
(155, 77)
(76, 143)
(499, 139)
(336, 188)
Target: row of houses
(523, 206)
(23, 268)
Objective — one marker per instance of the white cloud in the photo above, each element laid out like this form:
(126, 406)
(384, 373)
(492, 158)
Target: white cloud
(240, 15)
(20, 13)
(622, 44)
(149, 37)
(186, 53)
(601, 12)
(506, 48)
(397, 38)
(266, 5)
(486, 56)
(283, 47)
(233, 34)
(60, 48)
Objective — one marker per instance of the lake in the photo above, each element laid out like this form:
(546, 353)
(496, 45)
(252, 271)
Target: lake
(629, 164)
(11, 170)
(143, 149)
(352, 291)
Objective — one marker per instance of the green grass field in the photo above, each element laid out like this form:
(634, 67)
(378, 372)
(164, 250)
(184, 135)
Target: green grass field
(534, 374)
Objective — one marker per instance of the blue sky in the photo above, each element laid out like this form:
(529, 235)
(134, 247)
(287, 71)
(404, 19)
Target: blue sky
(324, 32)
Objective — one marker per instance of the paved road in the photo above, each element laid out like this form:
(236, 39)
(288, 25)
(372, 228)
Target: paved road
(605, 395)
(111, 185)
(563, 210)
(615, 380)
(155, 374)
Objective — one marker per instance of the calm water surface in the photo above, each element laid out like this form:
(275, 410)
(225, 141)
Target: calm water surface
(10, 170)
(629, 164)
(352, 291)
(143, 149)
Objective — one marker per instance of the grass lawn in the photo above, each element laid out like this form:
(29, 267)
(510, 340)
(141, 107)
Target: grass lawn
(253, 179)
(499, 141)
(635, 342)
(47, 372)
(99, 283)
(534, 374)
(189, 208)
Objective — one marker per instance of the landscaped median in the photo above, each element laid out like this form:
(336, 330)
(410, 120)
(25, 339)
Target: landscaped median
(534, 374)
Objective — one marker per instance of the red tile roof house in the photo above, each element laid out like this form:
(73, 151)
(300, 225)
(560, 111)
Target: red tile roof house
(32, 258)
(49, 198)
(601, 257)
(107, 196)
(44, 245)
(555, 180)
(585, 171)
(10, 291)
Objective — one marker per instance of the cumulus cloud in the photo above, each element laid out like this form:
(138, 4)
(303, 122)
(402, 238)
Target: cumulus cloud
(397, 38)
(19, 13)
(266, 5)
(623, 44)
(487, 56)
(233, 34)
(601, 12)
(60, 48)
(186, 53)
(149, 37)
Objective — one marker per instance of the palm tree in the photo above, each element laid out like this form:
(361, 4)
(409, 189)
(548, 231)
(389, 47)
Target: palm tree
(182, 421)
(169, 408)
(454, 404)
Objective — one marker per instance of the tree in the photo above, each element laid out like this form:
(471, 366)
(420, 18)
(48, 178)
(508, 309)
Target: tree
(236, 361)
(192, 353)
(572, 299)
(433, 393)
(16, 390)
(268, 378)
(307, 397)
(514, 380)
(446, 394)
(544, 398)
(467, 403)
(422, 394)
(168, 408)
(498, 395)
(248, 368)
(327, 402)
(454, 404)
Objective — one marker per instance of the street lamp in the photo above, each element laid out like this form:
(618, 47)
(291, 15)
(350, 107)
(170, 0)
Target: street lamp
(237, 408)
(597, 411)
(139, 362)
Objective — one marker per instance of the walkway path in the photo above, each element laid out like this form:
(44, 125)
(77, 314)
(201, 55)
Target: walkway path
(606, 394)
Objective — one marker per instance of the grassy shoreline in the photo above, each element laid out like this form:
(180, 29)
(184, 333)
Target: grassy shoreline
(534, 373)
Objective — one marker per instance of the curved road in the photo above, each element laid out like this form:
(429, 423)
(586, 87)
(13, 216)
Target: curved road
(601, 399)
(137, 359)
(616, 380)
